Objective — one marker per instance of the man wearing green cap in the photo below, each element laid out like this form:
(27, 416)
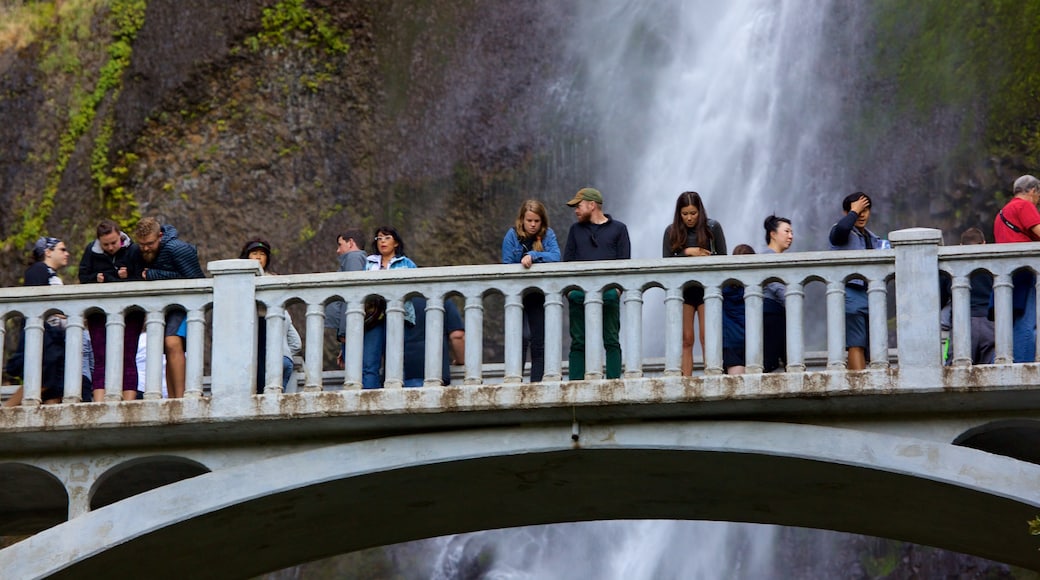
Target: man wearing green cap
(596, 236)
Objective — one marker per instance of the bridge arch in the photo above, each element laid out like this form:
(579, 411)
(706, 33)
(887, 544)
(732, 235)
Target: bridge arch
(31, 499)
(140, 475)
(263, 516)
(1015, 438)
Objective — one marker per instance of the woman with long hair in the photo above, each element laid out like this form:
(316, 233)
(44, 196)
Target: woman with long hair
(389, 255)
(528, 242)
(779, 236)
(692, 233)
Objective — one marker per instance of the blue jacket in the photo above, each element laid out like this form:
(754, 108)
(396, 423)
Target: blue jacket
(176, 258)
(374, 261)
(513, 251)
(846, 236)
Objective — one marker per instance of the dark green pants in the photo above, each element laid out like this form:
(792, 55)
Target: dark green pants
(611, 332)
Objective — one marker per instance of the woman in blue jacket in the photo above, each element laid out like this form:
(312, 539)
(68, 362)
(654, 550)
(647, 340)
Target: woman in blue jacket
(528, 242)
(389, 256)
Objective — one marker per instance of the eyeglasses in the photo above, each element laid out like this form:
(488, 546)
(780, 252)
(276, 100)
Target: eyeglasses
(383, 239)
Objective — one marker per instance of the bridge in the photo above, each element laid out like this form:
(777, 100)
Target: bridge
(228, 483)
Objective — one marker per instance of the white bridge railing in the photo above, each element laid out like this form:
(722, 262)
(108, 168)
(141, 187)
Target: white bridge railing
(232, 294)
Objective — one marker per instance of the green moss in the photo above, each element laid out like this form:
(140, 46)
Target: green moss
(127, 17)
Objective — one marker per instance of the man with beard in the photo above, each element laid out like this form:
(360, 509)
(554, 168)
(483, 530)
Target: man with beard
(596, 236)
(164, 257)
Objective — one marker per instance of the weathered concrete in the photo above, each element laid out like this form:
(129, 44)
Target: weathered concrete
(246, 520)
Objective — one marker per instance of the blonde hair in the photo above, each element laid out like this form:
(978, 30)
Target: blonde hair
(538, 208)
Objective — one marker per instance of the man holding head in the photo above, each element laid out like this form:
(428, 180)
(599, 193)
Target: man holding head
(165, 257)
(595, 236)
(1019, 221)
(851, 233)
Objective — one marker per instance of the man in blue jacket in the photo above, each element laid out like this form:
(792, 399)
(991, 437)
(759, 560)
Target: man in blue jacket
(165, 257)
(596, 236)
(851, 233)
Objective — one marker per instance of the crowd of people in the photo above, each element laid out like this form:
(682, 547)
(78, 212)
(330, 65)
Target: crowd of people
(158, 254)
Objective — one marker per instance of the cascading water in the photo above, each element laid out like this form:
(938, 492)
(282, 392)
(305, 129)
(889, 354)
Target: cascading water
(741, 101)
(736, 100)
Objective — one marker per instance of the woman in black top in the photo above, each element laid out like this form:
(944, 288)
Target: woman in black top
(692, 234)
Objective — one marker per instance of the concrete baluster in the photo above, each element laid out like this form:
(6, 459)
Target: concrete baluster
(877, 298)
(474, 339)
(315, 347)
(753, 328)
(514, 339)
(393, 359)
(73, 392)
(275, 322)
(593, 335)
(234, 331)
(917, 294)
(632, 348)
(32, 379)
(115, 329)
(155, 326)
(794, 304)
(196, 344)
(434, 341)
(961, 290)
(713, 330)
(354, 338)
(553, 337)
(673, 346)
(836, 325)
(1003, 325)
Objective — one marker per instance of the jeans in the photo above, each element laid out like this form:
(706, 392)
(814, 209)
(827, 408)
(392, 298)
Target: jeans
(372, 357)
(1025, 330)
(534, 333)
(611, 334)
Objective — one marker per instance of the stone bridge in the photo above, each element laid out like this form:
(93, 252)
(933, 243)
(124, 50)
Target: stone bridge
(227, 483)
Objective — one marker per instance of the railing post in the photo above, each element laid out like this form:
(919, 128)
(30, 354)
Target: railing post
(753, 328)
(632, 348)
(434, 341)
(393, 359)
(32, 377)
(794, 303)
(155, 324)
(836, 325)
(73, 392)
(877, 303)
(593, 335)
(673, 341)
(275, 325)
(553, 336)
(234, 329)
(196, 342)
(961, 317)
(115, 328)
(1004, 337)
(314, 326)
(713, 331)
(353, 357)
(474, 321)
(514, 339)
(917, 300)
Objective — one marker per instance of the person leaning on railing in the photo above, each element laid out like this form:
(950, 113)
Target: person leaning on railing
(531, 241)
(851, 233)
(389, 256)
(49, 255)
(1019, 221)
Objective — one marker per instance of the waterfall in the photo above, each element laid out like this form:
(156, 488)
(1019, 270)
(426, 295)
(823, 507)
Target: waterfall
(736, 100)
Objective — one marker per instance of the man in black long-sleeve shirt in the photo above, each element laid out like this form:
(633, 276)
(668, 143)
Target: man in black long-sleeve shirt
(596, 236)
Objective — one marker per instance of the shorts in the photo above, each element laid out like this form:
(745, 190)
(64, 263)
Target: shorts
(174, 318)
(857, 319)
(693, 295)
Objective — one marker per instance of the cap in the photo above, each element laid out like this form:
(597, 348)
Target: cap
(586, 194)
(261, 245)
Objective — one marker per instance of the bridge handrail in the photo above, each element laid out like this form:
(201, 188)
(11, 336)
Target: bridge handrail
(232, 294)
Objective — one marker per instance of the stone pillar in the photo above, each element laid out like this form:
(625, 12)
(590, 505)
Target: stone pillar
(234, 330)
(753, 317)
(917, 297)
(553, 336)
(673, 343)
(794, 300)
(115, 329)
(632, 351)
(713, 331)
(474, 321)
(434, 341)
(836, 325)
(514, 339)
(73, 392)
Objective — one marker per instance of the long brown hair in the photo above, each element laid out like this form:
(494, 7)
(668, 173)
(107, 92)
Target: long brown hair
(538, 208)
(677, 239)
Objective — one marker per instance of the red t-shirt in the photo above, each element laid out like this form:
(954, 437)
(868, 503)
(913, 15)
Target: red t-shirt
(1024, 215)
